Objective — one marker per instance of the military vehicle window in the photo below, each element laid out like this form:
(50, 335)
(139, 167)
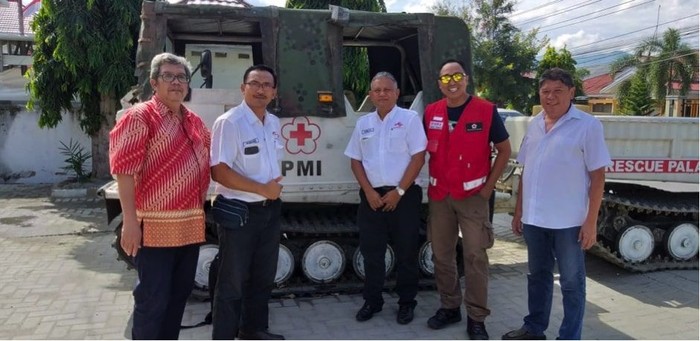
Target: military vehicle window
(369, 50)
(229, 62)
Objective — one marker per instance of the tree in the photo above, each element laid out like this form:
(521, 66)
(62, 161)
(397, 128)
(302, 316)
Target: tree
(356, 75)
(563, 60)
(502, 53)
(664, 62)
(84, 50)
(637, 100)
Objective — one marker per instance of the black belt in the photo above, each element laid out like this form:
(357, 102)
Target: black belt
(266, 202)
(390, 188)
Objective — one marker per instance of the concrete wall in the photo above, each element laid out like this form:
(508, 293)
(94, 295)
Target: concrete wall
(29, 154)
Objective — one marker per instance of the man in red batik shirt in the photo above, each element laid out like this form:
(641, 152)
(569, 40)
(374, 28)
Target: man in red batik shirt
(159, 153)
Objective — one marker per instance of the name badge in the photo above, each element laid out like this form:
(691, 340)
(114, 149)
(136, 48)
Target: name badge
(474, 127)
(435, 125)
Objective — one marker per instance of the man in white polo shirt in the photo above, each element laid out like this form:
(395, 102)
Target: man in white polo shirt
(387, 151)
(564, 158)
(245, 154)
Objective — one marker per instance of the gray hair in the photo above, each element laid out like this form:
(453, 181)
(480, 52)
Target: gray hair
(169, 58)
(384, 74)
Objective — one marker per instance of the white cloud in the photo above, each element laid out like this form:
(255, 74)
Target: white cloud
(573, 40)
(410, 6)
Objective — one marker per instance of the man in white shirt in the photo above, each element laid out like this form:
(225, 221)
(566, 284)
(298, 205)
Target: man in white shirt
(564, 158)
(245, 157)
(387, 151)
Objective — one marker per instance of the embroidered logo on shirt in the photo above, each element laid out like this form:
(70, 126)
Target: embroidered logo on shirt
(474, 127)
(397, 125)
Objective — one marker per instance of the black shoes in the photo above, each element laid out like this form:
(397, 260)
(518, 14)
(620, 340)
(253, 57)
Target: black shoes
(405, 314)
(476, 330)
(443, 317)
(521, 334)
(259, 335)
(367, 311)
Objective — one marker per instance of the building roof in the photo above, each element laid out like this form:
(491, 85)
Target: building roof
(9, 21)
(9, 16)
(694, 86)
(593, 85)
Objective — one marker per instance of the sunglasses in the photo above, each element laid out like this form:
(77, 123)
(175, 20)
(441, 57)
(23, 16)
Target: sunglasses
(445, 79)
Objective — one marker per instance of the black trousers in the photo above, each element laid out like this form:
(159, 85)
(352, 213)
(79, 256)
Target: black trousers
(401, 226)
(166, 278)
(246, 272)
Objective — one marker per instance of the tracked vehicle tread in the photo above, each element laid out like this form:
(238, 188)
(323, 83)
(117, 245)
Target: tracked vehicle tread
(623, 197)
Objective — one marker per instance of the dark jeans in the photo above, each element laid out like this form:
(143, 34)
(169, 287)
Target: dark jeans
(402, 226)
(166, 278)
(543, 247)
(246, 272)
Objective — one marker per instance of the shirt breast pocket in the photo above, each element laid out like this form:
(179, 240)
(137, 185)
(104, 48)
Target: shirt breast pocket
(251, 158)
(368, 143)
(279, 148)
(397, 141)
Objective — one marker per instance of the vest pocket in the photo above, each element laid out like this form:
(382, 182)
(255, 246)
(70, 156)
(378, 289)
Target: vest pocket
(432, 146)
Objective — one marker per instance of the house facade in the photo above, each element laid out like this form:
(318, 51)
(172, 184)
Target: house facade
(601, 93)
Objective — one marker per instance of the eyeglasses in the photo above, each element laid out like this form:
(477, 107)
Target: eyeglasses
(445, 79)
(257, 85)
(169, 77)
(380, 91)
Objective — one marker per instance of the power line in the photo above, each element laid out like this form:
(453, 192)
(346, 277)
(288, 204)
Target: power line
(563, 10)
(535, 8)
(595, 55)
(600, 16)
(590, 60)
(635, 31)
(684, 32)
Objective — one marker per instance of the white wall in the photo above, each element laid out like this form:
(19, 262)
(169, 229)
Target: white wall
(29, 154)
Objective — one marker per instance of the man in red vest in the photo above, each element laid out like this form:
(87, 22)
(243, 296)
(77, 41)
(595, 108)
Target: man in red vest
(460, 129)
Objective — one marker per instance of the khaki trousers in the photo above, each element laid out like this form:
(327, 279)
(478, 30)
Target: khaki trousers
(447, 218)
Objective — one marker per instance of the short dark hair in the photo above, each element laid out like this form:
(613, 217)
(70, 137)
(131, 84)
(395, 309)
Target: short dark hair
(452, 61)
(557, 74)
(260, 67)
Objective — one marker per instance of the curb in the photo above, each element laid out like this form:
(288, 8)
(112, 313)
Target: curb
(84, 192)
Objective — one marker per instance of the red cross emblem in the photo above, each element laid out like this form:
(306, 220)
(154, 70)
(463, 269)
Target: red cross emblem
(301, 135)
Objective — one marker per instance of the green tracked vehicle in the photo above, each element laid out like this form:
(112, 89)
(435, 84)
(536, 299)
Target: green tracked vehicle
(319, 251)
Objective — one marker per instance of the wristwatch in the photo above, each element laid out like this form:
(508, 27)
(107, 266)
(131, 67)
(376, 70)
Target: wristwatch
(400, 190)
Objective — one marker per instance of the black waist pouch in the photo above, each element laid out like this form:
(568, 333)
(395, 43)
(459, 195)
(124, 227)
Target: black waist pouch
(231, 214)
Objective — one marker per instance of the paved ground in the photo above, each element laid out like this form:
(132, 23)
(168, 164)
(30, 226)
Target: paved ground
(60, 280)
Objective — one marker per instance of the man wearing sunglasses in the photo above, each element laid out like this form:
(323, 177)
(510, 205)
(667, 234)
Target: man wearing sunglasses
(159, 153)
(460, 130)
